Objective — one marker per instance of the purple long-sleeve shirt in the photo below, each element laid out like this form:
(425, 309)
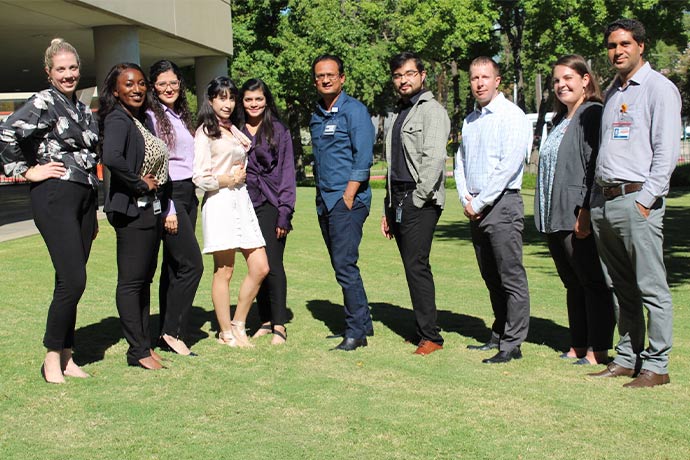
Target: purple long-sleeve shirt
(271, 174)
(180, 162)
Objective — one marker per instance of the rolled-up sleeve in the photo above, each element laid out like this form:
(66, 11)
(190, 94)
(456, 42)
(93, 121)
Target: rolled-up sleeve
(362, 137)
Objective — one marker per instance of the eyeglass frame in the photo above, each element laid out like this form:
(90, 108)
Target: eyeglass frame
(409, 74)
(327, 76)
(174, 84)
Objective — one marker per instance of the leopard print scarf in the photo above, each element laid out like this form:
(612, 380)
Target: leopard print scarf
(155, 155)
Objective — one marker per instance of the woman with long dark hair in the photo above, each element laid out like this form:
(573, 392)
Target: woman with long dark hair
(227, 215)
(51, 142)
(136, 202)
(272, 187)
(561, 208)
(182, 265)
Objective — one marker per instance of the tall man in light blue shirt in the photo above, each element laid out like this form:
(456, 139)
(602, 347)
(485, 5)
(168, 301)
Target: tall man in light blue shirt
(640, 145)
(496, 138)
(342, 137)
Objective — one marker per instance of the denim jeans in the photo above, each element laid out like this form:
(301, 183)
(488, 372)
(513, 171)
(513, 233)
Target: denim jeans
(342, 232)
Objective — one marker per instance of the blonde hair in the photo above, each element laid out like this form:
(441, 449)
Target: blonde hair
(57, 46)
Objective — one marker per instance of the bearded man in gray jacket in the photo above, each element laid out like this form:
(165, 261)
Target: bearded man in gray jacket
(416, 154)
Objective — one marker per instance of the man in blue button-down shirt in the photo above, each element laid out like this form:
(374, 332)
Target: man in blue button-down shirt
(342, 143)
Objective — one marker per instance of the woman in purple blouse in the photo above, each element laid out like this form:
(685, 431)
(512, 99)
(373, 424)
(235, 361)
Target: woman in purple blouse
(272, 187)
(182, 265)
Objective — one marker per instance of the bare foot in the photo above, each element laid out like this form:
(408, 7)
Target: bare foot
(279, 335)
(69, 367)
(51, 370)
(177, 345)
(264, 329)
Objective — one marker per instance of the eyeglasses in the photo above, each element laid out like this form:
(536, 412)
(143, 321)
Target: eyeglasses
(326, 76)
(174, 84)
(408, 74)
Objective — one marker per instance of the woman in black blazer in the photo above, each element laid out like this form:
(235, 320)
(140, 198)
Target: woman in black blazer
(135, 203)
(561, 209)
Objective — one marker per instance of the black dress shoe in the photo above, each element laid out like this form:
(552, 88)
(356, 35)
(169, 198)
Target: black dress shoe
(349, 344)
(340, 335)
(484, 347)
(504, 356)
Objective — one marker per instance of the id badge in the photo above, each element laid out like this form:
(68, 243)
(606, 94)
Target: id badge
(156, 207)
(620, 131)
(398, 214)
(329, 130)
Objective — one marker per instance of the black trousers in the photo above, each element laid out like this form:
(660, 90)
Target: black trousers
(65, 215)
(591, 314)
(497, 240)
(414, 235)
(182, 265)
(272, 297)
(138, 240)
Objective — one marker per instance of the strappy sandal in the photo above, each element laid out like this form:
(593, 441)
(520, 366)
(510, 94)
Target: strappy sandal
(280, 335)
(227, 338)
(264, 329)
(240, 333)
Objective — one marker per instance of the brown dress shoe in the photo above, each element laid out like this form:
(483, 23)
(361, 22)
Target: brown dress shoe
(648, 379)
(150, 363)
(427, 347)
(156, 356)
(614, 370)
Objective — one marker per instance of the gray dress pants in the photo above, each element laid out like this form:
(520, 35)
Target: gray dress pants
(631, 247)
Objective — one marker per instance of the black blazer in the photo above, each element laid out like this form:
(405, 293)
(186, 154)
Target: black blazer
(123, 154)
(574, 172)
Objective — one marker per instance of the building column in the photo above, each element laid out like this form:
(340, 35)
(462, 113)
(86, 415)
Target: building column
(206, 68)
(113, 45)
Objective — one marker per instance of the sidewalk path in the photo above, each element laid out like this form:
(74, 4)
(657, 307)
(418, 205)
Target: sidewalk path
(16, 220)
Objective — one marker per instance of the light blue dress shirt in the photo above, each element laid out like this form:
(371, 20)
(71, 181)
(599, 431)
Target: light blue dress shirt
(495, 142)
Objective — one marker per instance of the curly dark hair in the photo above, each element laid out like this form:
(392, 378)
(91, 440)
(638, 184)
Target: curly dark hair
(180, 107)
(206, 116)
(270, 115)
(107, 101)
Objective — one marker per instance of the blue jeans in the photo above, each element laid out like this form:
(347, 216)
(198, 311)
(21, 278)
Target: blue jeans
(342, 232)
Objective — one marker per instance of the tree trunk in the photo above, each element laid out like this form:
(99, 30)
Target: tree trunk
(294, 126)
(456, 116)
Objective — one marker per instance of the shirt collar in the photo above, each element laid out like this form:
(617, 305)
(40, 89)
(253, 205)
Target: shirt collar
(342, 97)
(638, 77)
(413, 100)
(493, 106)
(170, 111)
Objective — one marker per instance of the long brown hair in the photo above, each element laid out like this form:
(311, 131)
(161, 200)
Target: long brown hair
(592, 90)
(181, 106)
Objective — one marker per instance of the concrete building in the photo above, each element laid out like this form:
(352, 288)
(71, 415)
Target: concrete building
(105, 32)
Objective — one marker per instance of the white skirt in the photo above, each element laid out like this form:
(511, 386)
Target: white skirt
(228, 221)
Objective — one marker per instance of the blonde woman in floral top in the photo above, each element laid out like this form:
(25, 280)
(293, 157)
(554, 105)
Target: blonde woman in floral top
(51, 142)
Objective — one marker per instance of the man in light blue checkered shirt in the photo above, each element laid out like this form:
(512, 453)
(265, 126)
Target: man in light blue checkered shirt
(496, 137)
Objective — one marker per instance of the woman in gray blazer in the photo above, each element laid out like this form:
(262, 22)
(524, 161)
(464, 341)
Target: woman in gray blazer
(561, 209)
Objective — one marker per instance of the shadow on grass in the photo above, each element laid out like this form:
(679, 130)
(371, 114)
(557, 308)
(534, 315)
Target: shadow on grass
(330, 314)
(95, 339)
(401, 321)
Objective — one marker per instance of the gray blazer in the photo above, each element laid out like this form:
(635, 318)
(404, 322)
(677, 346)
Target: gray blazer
(574, 172)
(424, 138)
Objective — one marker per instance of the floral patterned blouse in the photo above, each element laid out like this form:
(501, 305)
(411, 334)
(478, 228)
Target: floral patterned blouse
(50, 127)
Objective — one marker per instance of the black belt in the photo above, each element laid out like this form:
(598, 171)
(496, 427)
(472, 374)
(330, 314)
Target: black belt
(614, 191)
(504, 192)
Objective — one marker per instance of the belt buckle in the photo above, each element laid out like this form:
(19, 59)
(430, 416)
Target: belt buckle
(622, 187)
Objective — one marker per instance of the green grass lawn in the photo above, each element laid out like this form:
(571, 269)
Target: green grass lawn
(302, 401)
